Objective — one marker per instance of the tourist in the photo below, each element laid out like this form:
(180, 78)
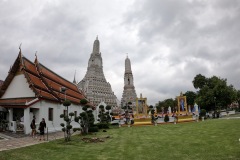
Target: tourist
(33, 127)
(41, 128)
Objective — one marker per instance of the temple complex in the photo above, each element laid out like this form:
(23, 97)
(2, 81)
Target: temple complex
(94, 84)
(129, 93)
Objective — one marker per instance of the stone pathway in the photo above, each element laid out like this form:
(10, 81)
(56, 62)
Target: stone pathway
(9, 142)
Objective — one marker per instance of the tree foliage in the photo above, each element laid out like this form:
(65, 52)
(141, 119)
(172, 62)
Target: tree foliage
(199, 81)
(104, 114)
(191, 96)
(165, 104)
(85, 120)
(66, 128)
(83, 101)
(214, 93)
(66, 103)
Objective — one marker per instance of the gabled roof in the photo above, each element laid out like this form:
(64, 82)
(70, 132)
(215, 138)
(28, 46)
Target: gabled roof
(45, 83)
(18, 102)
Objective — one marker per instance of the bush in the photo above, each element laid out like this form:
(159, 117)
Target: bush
(93, 129)
(103, 126)
(166, 118)
(202, 113)
(83, 101)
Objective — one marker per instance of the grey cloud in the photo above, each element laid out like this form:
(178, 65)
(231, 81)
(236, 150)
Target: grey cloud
(167, 41)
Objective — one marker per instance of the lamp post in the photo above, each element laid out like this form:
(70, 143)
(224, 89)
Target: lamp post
(64, 90)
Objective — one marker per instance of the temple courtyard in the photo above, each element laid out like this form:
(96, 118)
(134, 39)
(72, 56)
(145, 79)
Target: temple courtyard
(211, 139)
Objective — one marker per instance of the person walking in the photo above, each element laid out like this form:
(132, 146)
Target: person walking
(42, 127)
(33, 127)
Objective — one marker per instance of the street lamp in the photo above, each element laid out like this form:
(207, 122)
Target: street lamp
(64, 90)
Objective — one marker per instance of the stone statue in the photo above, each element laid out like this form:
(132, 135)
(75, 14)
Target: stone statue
(169, 110)
(189, 107)
(196, 109)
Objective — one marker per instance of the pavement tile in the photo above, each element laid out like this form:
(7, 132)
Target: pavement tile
(18, 141)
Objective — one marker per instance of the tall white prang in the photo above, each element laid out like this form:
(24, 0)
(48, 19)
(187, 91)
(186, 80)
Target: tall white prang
(94, 84)
(129, 93)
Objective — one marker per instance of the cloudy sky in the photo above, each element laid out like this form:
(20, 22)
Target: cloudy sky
(168, 42)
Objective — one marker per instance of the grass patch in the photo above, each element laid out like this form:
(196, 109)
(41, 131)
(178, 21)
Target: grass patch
(208, 140)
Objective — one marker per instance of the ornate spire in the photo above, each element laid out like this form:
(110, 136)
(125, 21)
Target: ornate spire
(129, 93)
(96, 46)
(94, 84)
(128, 65)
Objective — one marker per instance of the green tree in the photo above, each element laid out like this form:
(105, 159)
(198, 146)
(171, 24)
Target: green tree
(191, 96)
(199, 81)
(166, 103)
(86, 118)
(214, 93)
(108, 114)
(66, 128)
(104, 116)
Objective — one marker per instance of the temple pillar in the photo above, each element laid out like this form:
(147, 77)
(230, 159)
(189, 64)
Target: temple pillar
(11, 124)
(27, 120)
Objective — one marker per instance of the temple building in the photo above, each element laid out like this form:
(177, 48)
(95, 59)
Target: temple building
(31, 89)
(129, 93)
(94, 84)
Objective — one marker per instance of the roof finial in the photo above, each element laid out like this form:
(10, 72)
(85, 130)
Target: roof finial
(36, 60)
(74, 80)
(97, 37)
(127, 55)
(20, 46)
(20, 50)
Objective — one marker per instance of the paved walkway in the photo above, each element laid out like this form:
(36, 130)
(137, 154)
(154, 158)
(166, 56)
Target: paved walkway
(9, 142)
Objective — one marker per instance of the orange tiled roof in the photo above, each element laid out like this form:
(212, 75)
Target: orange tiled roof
(16, 102)
(45, 83)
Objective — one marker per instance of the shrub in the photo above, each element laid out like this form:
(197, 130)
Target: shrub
(166, 118)
(103, 125)
(93, 129)
(202, 113)
(66, 103)
(83, 101)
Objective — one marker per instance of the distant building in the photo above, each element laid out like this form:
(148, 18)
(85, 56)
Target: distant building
(31, 89)
(94, 84)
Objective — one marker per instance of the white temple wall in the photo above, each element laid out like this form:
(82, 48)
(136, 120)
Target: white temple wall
(18, 88)
(41, 110)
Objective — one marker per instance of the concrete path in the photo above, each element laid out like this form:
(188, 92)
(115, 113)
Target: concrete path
(7, 142)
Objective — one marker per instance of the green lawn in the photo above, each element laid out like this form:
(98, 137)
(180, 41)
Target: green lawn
(212, 139)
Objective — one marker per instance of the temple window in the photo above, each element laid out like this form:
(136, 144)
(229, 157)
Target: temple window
(50, 114)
